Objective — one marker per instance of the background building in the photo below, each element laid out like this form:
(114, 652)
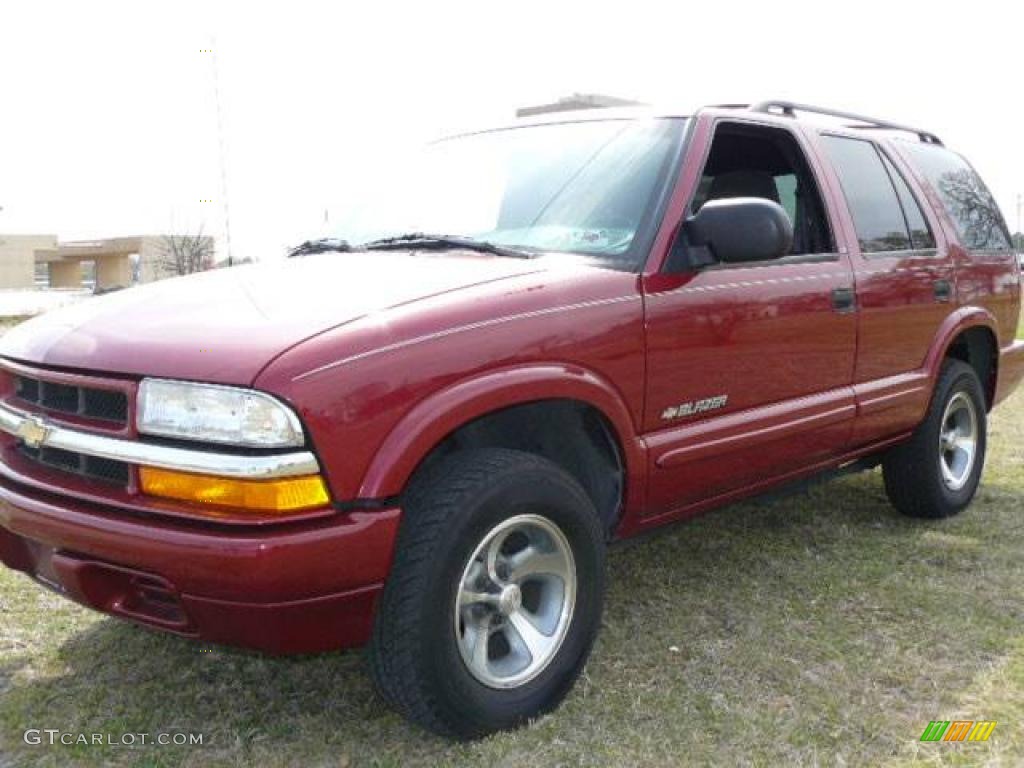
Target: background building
(18, 258)
(28, 261)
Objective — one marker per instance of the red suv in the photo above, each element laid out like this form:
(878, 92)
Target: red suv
(536, 340)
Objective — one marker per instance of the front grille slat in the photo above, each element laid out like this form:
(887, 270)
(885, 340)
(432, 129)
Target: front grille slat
(27, 389)
(58, 457)
(103, 405)
(91, 467)
(59, 397)
(106, 469)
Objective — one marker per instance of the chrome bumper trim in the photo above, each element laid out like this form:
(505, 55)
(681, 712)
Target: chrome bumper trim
(262, 467)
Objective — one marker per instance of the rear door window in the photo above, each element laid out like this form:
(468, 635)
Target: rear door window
(921, 237)
(965, 197)
(869, 191)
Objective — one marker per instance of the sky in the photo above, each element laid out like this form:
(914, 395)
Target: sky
(109, 122)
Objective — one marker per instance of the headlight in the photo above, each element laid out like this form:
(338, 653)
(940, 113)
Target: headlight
(216, 414)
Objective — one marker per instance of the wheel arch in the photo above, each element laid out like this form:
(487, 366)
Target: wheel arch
(442, 415)
(969, 334)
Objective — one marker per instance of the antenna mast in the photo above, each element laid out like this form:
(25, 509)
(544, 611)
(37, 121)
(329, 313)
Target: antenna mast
(220, 147)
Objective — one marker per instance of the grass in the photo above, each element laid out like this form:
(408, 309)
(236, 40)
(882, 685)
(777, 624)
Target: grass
(819, 629)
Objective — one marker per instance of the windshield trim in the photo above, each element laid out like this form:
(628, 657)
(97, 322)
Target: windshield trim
(626, 115)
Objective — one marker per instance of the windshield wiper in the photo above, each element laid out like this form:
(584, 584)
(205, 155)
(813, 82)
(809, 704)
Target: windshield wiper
(322, 245)
(428, 240)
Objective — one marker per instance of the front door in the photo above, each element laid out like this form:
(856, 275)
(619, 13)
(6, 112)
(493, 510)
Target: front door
(750, 365)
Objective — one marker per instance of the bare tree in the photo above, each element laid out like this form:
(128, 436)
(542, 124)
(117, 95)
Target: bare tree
(185, 254)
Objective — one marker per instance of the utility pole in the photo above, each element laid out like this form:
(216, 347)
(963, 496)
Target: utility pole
(220, 147)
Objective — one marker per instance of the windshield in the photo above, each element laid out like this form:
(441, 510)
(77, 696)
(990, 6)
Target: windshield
(581, 187)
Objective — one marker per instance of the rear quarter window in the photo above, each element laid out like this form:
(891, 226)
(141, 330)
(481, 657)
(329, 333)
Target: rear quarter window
(970, 205)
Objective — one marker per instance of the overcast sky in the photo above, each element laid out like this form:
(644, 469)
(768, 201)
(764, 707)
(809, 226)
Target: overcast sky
(108, 123)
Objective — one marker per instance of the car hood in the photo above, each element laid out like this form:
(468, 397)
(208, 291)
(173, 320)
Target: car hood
(225, 326)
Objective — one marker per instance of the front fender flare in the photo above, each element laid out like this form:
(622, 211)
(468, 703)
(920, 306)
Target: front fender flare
(443, 412)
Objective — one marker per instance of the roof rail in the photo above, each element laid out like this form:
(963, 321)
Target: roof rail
(788, 108)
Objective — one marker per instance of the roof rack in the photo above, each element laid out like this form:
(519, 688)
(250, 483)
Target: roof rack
(789, 109)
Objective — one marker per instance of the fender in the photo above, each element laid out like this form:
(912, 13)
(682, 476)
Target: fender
(436, 417)
(954, 324)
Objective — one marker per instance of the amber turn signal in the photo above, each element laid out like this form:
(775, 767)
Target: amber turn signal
(289, 494)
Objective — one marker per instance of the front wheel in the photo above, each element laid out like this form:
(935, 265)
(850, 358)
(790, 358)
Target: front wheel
(494, 597)
(936, 473)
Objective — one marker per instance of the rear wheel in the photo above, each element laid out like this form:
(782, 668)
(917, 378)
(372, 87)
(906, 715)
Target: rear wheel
(494, 597)
(936, 473)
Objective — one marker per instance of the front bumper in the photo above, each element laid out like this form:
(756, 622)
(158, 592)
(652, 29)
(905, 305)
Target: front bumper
(295, 588)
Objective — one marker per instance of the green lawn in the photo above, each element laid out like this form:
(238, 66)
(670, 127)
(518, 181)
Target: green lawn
(816, 629)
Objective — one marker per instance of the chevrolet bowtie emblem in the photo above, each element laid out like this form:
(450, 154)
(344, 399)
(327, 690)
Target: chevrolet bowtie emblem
(33, 431)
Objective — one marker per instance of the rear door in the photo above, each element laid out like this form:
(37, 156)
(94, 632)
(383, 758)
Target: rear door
(905, 284)
(749, 365)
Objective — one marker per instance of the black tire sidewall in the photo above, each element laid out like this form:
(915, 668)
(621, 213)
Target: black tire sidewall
(963, 379)
(538, 491)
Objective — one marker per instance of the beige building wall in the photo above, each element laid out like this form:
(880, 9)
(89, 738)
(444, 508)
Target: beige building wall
(65, 274)
(113, 272)
(18, 258)
(118, 262)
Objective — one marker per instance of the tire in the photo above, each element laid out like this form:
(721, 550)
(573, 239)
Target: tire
(477, 513)
(915, 479)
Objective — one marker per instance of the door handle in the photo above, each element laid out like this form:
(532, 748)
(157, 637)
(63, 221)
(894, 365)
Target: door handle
(843, 300)
(943, 290)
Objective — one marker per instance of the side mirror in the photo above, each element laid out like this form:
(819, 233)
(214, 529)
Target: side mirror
(741, 229)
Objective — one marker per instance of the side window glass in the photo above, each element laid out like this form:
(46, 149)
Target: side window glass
(701, 197)
(786, 186)
(875, 209)
(756, 161)
(965, 197)
(920, 235)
